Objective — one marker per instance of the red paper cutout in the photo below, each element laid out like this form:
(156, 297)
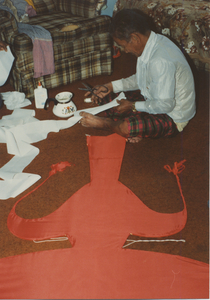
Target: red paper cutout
(97, 219)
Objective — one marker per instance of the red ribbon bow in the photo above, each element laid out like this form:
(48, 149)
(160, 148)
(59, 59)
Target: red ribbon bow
(59, 167)
(178, 167)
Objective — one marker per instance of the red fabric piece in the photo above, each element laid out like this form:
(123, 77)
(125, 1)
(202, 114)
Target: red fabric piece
(97, 220)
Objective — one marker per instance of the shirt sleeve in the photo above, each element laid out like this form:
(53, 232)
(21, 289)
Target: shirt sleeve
(125, 84)
(160, 89)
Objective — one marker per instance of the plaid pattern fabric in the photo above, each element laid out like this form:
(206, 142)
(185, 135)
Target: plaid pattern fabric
(87, 9)
(44, 6)
(78, 54)
(66, 71)
(68, 51)
(152, 126)
(54, 22)
(10, 26)
(142, 124)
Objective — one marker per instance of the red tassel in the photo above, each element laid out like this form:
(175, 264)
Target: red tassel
(177, 169)
(59, 167)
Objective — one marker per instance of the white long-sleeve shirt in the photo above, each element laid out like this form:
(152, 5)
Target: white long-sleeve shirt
(165, 80)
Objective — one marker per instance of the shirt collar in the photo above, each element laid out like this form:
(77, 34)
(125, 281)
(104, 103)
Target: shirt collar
(148, 48)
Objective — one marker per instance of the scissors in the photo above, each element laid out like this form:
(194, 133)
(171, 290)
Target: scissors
(91, 90)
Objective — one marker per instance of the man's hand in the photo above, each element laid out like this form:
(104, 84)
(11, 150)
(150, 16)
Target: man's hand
(124, 106)
(3, 46)
(100, 92)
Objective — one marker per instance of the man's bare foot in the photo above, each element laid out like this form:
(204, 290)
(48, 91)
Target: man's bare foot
(89, 120)
(134, 139)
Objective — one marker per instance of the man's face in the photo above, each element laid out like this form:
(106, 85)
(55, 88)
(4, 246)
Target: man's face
(134, 46)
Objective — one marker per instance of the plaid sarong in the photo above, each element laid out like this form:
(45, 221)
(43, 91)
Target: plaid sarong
(142, 124)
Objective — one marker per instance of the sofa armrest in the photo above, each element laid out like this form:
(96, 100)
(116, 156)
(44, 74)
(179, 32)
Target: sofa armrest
(8, 26)
(86, 8)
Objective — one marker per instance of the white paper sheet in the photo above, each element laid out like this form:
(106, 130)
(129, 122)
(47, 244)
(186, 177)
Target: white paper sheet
(19, 130)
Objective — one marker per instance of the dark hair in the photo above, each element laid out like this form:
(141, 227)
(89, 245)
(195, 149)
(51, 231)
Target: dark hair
(128, 21)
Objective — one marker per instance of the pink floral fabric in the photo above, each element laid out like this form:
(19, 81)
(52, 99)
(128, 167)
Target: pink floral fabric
(187, 22)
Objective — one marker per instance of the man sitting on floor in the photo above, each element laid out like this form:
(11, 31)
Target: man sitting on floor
(166, 101)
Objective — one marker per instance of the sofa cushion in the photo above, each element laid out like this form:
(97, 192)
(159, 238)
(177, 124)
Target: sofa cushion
(83, 8)
(44, 6)
(54, 24)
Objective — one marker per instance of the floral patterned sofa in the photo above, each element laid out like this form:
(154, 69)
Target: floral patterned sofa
(79, 53)
(187, 22)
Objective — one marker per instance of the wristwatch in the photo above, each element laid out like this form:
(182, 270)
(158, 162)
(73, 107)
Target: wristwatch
(133, 107)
